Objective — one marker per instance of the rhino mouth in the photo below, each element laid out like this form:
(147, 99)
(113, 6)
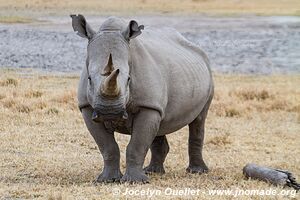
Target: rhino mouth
(101, 117)
(104, 113)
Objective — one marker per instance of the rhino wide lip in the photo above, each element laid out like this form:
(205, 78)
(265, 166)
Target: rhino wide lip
(109, 112)
(101, 117)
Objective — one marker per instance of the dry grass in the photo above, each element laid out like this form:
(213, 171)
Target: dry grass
(228, 7)
(46, 151)
(15, 19)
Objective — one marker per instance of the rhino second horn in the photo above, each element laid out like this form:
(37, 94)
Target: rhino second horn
(110, 86)
(108, 68)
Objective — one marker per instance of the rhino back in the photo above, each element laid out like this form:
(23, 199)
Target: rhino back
(171, 75)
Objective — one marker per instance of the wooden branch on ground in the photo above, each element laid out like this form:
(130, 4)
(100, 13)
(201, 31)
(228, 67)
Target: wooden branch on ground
(273, 176)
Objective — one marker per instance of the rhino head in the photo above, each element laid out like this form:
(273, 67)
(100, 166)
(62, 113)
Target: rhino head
(108, 71)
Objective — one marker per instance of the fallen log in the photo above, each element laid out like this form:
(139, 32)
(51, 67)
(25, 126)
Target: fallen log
(273, 176)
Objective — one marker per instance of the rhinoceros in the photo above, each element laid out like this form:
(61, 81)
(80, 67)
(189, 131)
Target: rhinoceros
(145, 82)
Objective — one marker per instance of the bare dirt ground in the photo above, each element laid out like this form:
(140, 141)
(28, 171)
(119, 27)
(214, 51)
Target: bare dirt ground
(250, 44)
(46, 151)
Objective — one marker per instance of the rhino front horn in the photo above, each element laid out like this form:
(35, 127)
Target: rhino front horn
(110, 86)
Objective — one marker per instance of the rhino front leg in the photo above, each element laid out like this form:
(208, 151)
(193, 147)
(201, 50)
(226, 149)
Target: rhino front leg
(159, 150)
(108, 148)
(145, 128)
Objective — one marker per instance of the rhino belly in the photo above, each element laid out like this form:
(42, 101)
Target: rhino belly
(185, 102)
(175, 120)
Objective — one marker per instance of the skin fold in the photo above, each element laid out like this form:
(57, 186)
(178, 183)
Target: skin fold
(146, 82)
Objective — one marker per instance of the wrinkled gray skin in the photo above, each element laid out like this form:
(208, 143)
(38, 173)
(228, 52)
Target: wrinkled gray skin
(170, 86)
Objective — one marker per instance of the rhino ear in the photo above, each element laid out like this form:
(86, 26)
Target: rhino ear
(132, 30)
(81, 27)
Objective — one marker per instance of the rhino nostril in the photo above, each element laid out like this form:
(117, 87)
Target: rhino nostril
(95, 115)
(125, 115)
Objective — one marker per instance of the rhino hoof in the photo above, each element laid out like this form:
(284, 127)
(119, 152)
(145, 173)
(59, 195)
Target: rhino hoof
(154, 169)
(109, 177)
(197, 169)
(134, 177)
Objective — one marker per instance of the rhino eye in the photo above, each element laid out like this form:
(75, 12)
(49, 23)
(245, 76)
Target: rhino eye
(128, 80)
(89, 78)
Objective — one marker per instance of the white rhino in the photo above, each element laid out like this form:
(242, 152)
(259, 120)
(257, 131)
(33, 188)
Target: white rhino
(146, 86)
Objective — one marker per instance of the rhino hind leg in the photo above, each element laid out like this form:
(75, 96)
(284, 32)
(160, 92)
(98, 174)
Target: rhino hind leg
(159, 150)
(196, 138)
(108, 148)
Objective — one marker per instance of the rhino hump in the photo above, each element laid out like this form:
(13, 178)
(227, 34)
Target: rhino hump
(113, 23)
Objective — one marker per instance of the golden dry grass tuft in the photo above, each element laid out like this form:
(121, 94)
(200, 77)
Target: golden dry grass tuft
(33, 94)
(221, 140)
(46, 151)
(15, 19)
(248, 94)
(9, 82)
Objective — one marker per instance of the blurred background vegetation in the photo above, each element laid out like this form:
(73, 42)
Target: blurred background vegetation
(99, 7)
